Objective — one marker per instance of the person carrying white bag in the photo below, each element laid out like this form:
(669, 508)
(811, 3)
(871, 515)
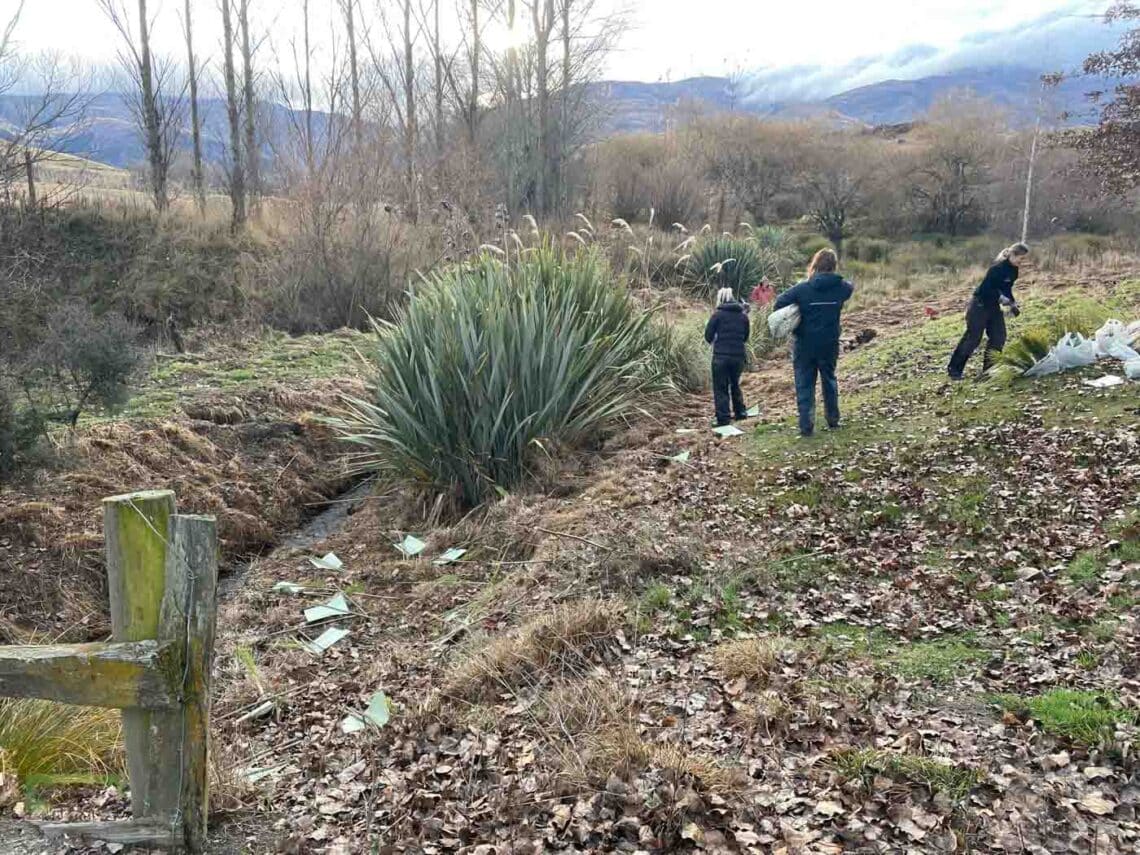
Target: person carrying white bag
(820, 302)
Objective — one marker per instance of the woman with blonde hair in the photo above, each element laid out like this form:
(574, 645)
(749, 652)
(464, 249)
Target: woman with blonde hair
(815, 352)
(984, 314)
(727, 331)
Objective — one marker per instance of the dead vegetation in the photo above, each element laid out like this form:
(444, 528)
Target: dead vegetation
(560, 642)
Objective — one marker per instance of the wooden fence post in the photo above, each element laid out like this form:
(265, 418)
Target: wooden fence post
(162, 571)
(188, 616)
(136, 530)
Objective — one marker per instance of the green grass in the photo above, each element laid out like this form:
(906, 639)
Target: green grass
(1084, 717)
(255, 363)
(938, 661)
(657, 597)
(937, 775)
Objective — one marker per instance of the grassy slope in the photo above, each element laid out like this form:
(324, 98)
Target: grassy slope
(887, 632)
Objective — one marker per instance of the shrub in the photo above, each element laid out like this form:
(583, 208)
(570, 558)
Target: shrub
(674, 193)
(1078, 315)
(21, 434)
(83, 361)
(870, 250)
(489, 365)
(725, 262)
(811, 244)
(780, 252)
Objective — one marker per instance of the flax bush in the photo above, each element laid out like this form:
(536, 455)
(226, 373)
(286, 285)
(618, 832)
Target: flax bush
(491, 365)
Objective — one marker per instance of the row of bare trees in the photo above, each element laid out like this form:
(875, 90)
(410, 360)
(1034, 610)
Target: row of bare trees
(438, 105)
(960, 170)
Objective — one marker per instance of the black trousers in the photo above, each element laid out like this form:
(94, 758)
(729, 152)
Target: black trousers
(809, 364)
(980, 319)
(727, 397)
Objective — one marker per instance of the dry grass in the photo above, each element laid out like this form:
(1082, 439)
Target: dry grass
(46, 739)
(559, 642)
(754, 659)
(590, 729)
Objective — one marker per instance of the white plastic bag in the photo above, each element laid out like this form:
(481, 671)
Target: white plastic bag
(1132, 369)
(1132, 335)
(1048, 364)
(783, 321)
(1112, 331)
(1074, 351)
(1117, 349)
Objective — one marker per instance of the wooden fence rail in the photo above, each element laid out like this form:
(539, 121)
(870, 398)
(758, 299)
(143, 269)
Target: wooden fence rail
(162, 571)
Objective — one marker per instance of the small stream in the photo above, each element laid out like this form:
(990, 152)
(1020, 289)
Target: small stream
(319, 527)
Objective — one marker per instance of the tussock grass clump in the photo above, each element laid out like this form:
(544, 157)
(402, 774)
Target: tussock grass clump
(46, 741)
(559, 642)
(755, 659)
(1085, 717)
(725, 262)
(491, 366)
(937, 775)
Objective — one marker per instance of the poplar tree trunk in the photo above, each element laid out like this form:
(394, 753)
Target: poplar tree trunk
(196, 176)
(252, 152)
(237, 173)
(151, 119)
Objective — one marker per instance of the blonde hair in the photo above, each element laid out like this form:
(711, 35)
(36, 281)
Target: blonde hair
(1010, 251)
(824, 261)
(724, 295)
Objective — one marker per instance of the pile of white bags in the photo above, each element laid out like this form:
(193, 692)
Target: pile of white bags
(783, 321)
(1114, 340)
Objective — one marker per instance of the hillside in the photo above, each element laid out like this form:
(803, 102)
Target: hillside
(109, 134)
(916, 634)
(632, 107)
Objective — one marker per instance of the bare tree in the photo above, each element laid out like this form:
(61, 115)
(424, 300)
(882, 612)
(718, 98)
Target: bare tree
(159, 102)
(835, 171)
(348, 9)
(196, 175)
(43, 123)
(249, 85)
(953, 173)
(309, 141)
(543, 21)
(1111, 150)
(233, 114)
(395, 65)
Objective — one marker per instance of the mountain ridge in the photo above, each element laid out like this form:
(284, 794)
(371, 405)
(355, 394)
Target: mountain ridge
(109, 134)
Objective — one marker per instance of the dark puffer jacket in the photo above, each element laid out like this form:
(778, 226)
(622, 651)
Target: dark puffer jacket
(997, 284)
(727, 331)
(821, 300)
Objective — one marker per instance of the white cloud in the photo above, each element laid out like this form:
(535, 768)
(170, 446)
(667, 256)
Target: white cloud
(667, 38)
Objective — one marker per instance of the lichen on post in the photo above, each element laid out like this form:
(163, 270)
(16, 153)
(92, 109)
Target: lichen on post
(136, 529)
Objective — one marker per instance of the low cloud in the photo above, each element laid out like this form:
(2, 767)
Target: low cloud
(1053, 42)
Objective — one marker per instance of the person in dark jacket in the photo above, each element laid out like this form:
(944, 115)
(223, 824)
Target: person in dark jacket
(984, 314)
(727, 331)
(816, 340)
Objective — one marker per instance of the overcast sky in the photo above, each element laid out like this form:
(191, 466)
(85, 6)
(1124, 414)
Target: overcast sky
(817, 44)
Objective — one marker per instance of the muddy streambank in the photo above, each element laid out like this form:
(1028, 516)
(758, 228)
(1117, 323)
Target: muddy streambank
(270, 477)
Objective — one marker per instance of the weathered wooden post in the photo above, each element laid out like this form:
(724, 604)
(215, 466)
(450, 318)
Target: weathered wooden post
(162, 570)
